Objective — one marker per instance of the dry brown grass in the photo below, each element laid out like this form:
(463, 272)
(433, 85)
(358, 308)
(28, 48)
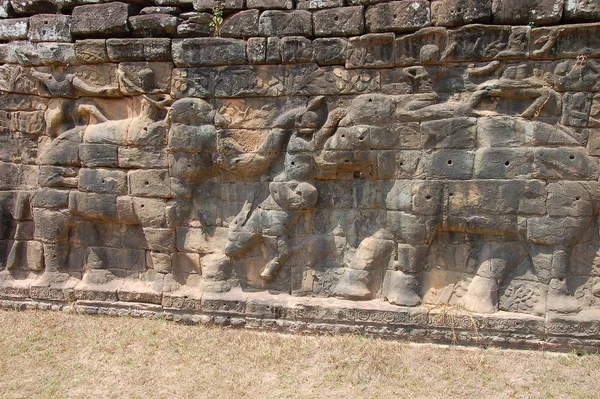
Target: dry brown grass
(56, 355)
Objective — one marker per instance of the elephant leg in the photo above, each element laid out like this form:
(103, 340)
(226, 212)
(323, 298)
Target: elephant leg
(495, 261)
(373, 253)
(271, 269)
(52, 228)
(401, 285)
(559, 297)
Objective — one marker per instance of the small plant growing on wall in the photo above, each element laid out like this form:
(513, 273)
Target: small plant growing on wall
(216, 19)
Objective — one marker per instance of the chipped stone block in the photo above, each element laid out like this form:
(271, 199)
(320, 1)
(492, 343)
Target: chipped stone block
(14, 29)
(242, 24)
(49, 28)
(398, 16)
(285, 23)
(270, 4)
(145, 77)
(120, 50)
(157, 49)
(208, 5)
(29, 7)
(208, 51)
(330, 51)
(345, 21)
(154, 25)
(101, 20)
(460, 12)
(374, 50)
(516, 12)
(581, 11)
(91, 51)
(256, 50)
(296, 49)
(103, 181)
(318, 4)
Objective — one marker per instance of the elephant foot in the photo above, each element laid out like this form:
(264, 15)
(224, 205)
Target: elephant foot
(482, 295)
(559, 299)
(270, 270)
(352, 285)
(401, 289)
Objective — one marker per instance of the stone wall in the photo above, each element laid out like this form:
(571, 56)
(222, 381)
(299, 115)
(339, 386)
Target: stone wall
(424, 170)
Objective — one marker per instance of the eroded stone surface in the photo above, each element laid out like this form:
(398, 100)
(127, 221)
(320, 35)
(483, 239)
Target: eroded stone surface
(320, 165)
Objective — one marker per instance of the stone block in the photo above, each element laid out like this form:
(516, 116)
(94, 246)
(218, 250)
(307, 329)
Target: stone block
(123, 50)
(564, 164)
(449, 133)
(398, 16)
(330, 51)
(154, 25)
(29, 7)
(149, 211)
(581, 11)
(460, 12)
(397, 164)
(576, 109)
(157, 49)
(495, 163)
(568, 198)
(94, 155)
(447, 164)
(296, 49)
(516, 12)
(159, 262)
(567, 41)
(56, 176)
(201, 240)
(345, 21)
(101, 20)
(160, 239)
(5, 9)
(150, 183)
(273, 51)
(50, 198)
(145, 77)
(93, 206)
(14, 29)
(208, 51)
(318, 4)
(170, 10)
(270, 4)
(476, 42)
(241, 25)
(256, 50)
(49, 28)
(374, 50)
(285, 23)
(91, 51)
(423, 47)
(103, 181)
(208, 5)
(142, 157)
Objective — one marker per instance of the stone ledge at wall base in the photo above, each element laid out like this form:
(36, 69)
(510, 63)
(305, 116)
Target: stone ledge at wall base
(304, 315)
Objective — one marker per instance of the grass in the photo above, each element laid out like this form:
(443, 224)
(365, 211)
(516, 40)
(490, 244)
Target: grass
(57, 355)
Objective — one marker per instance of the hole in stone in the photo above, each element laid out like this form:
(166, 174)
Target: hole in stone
(146, 183)
(577, 198)
(395, 16)
(450, 194)
(141, 206)
(343, 135)
(346, 161)
(370, 100)
(401, 163)
(506, 163)
(428, 197)
(572, 157)
(292, 163)
(336, 18)
(449, 162)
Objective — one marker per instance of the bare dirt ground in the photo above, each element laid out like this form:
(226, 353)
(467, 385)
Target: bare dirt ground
(56, 355)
